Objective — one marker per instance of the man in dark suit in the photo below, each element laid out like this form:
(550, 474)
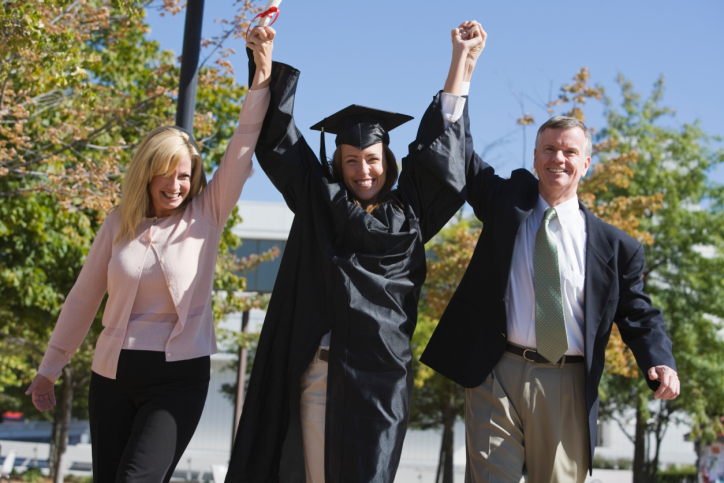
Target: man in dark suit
(527, 329)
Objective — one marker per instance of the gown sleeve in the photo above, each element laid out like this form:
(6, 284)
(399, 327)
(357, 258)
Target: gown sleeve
(281, 150)
(433, 175)
(443, 170)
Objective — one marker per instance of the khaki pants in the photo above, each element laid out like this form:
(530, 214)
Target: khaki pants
(313, 406)
(527, 423)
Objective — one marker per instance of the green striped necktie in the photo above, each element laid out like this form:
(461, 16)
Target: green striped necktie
(550, 325)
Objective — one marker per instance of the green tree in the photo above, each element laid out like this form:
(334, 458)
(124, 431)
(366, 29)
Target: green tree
(684, 264)
(438, 401)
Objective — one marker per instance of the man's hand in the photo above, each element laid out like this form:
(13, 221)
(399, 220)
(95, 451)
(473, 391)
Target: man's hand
(468, 41)
(42, 390)
(670, 386)
(471, 37)
(261, 41)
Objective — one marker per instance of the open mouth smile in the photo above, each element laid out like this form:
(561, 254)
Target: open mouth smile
(170, 196)
(365, 183)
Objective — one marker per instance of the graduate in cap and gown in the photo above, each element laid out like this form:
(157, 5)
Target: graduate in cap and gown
(330, 390)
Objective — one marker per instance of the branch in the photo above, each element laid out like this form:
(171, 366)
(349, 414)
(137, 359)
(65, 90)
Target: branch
(2, 94)
(81, 383)
(652, 268)
(106, 148)
(623, 430)
(24, 342)
(10, 194)
(97, 132)
(64, 13)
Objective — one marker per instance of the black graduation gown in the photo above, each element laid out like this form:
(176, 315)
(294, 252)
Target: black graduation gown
(356, 274)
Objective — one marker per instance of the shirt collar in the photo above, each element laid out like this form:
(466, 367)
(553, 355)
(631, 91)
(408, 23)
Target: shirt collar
(566, 211)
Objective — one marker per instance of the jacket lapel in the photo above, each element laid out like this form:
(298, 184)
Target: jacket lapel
(599, 278)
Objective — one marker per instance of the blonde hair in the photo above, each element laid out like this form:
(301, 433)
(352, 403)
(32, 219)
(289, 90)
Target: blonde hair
(159, 153)
(391, 174)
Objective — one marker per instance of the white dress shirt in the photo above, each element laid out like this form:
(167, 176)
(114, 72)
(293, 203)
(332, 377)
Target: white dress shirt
(569, 230)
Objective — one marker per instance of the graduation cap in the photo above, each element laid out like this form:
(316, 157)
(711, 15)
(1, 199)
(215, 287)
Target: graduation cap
(359, 126)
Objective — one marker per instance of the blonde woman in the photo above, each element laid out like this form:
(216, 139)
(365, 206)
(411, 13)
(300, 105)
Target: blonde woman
(155, 255)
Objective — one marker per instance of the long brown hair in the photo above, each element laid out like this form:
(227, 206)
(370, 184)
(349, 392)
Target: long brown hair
(391, 174)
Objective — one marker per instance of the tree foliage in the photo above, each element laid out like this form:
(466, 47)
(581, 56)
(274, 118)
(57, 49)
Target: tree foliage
(438, 401)
(684, 263)
(80, 86)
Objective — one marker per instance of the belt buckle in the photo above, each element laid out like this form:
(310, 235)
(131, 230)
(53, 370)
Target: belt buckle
(526, 357)
(324, 355)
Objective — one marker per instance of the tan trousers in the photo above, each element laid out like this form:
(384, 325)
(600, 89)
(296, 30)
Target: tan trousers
(313, 406)
(527, 423)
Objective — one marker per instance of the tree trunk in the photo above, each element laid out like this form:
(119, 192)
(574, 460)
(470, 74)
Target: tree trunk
(61, 427)
(662, 420)
(639, 461)
(445, 464)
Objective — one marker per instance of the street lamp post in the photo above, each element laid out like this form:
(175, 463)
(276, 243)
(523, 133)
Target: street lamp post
(189, 65)
(241, 375)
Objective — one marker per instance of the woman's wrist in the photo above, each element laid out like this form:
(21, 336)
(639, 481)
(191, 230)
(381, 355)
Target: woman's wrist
(453, 84)
(262, 78)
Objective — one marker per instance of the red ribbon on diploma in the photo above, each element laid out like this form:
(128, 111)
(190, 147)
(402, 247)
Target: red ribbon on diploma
(266, 13)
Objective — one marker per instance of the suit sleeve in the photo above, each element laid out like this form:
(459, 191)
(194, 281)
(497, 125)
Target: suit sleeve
(281, 150)
(641, 325)
(443, 170)
(482, 184)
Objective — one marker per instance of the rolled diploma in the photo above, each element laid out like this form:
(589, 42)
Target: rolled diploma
(264, 21)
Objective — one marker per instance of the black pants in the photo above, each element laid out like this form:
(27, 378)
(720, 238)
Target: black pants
(142, 421)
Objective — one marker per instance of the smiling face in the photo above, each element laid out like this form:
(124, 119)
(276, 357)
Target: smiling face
(364, 171)
(169, 191)
(560, 159)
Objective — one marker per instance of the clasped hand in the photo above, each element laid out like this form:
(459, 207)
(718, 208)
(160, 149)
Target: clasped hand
(469, 38)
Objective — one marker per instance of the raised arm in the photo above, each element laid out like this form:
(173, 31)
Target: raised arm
(261, 42)
(221, 195)
(433, 177)
(468, 41)
(281, 149)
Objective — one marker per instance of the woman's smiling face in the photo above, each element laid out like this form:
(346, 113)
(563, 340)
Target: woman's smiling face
(169, 191)
(364, 171)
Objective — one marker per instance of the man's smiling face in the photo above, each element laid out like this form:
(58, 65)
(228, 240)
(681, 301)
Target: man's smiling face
(560, 159)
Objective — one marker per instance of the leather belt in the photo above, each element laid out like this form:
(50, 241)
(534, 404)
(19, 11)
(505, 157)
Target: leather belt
(324, 355)
(531, 355)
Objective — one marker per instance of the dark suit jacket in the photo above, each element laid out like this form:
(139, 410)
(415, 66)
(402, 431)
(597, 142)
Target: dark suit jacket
(471, 335)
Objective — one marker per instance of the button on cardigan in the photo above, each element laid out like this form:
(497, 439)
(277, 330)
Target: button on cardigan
(186, 245)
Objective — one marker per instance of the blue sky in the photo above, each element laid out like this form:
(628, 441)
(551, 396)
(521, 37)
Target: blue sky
(395, 54)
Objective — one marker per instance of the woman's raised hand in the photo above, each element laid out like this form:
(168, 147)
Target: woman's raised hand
(261, 41)
(470, 38)
(43, 395)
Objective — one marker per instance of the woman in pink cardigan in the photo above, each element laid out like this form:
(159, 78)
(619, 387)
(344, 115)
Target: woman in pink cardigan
(155, 254)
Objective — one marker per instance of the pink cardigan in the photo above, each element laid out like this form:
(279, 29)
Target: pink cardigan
(186, 246)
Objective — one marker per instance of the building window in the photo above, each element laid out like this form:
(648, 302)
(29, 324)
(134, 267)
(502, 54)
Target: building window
(599, 435)
(262, 279)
